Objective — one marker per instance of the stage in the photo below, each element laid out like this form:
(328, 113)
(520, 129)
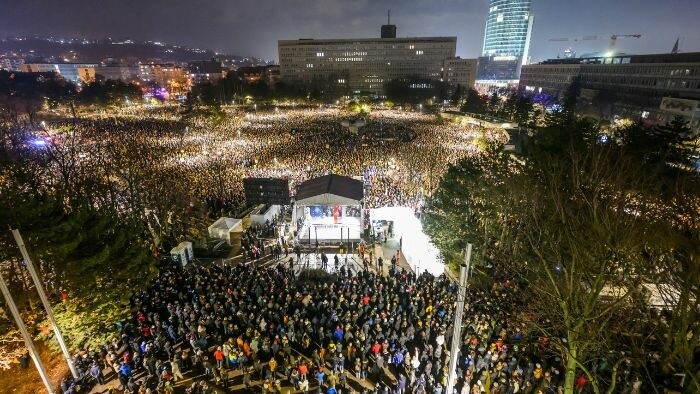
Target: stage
(331, 233)
(329, 210)
(330, 224)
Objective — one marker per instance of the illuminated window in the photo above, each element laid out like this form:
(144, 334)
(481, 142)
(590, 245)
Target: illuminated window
(411, 47)
(310, 65)
(319, 54)
(499, 18)
(419, 52)
(341, 81)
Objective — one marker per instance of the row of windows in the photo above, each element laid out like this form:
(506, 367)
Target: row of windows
(614, 70)
(331, 54)
(501, 17)
(321, 48)
(645, 70)
(641, 81)
(367, 63)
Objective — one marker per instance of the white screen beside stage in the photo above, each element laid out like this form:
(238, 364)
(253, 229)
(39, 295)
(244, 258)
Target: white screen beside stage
(421, 254)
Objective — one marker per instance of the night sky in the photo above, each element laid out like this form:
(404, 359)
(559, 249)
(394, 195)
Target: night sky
(252, 27)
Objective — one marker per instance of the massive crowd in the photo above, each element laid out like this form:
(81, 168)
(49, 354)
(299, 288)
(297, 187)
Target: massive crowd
(401, 155)
(357, 331)
(354, 332)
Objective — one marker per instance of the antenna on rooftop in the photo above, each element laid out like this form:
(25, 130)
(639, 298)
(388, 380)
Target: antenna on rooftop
(388, 30)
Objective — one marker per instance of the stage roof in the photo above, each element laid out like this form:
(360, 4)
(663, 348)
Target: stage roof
(330, 190)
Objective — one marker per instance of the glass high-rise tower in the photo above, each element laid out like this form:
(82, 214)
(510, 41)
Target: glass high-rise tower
(506, 40)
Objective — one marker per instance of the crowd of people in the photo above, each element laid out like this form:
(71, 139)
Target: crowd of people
(265, 330)
(359, 331)
(203, 160)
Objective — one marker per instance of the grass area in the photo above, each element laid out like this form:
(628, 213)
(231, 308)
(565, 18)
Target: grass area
(20, 381)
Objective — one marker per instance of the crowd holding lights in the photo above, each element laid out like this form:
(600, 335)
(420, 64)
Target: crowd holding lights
(386, 332)
(401, 154)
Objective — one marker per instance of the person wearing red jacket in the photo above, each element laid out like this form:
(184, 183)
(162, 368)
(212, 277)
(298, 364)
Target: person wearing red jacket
(219, 357)
(376, 348)
(303, 370)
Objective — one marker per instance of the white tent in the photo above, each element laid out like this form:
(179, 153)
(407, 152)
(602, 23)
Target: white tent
(223, 227)
(330, 190)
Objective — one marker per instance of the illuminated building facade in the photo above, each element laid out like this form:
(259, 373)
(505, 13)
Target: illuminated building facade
(168, 77)
(364, 65)
(69, 71)
(506, 41)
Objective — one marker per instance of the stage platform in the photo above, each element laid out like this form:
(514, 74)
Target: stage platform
(330, 229)
(330, 233)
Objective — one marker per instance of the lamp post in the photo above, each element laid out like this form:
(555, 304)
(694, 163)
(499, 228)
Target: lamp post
(25, 335)
(45, 302)
(464, 270)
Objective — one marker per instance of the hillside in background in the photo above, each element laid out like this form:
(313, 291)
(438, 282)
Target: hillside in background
(42, 49)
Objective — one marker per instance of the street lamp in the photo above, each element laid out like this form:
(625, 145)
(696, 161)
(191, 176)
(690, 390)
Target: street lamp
(457, 323)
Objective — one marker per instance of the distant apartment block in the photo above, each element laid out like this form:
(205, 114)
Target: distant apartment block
(69, 71)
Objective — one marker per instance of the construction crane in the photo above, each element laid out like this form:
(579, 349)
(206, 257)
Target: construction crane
(614, 37)
(584, 38)
(613, 40)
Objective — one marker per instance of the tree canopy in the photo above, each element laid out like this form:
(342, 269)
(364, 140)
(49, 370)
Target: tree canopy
(109, 92)
(587, 228)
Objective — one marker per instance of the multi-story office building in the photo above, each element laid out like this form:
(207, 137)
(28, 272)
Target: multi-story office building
(168, 77)
(506, 41)
(364, 65)
(458, 71)
(652, 87)
(162, 74)
(69, 71)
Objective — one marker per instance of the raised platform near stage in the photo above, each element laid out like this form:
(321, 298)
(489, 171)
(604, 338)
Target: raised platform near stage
(331, 233)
